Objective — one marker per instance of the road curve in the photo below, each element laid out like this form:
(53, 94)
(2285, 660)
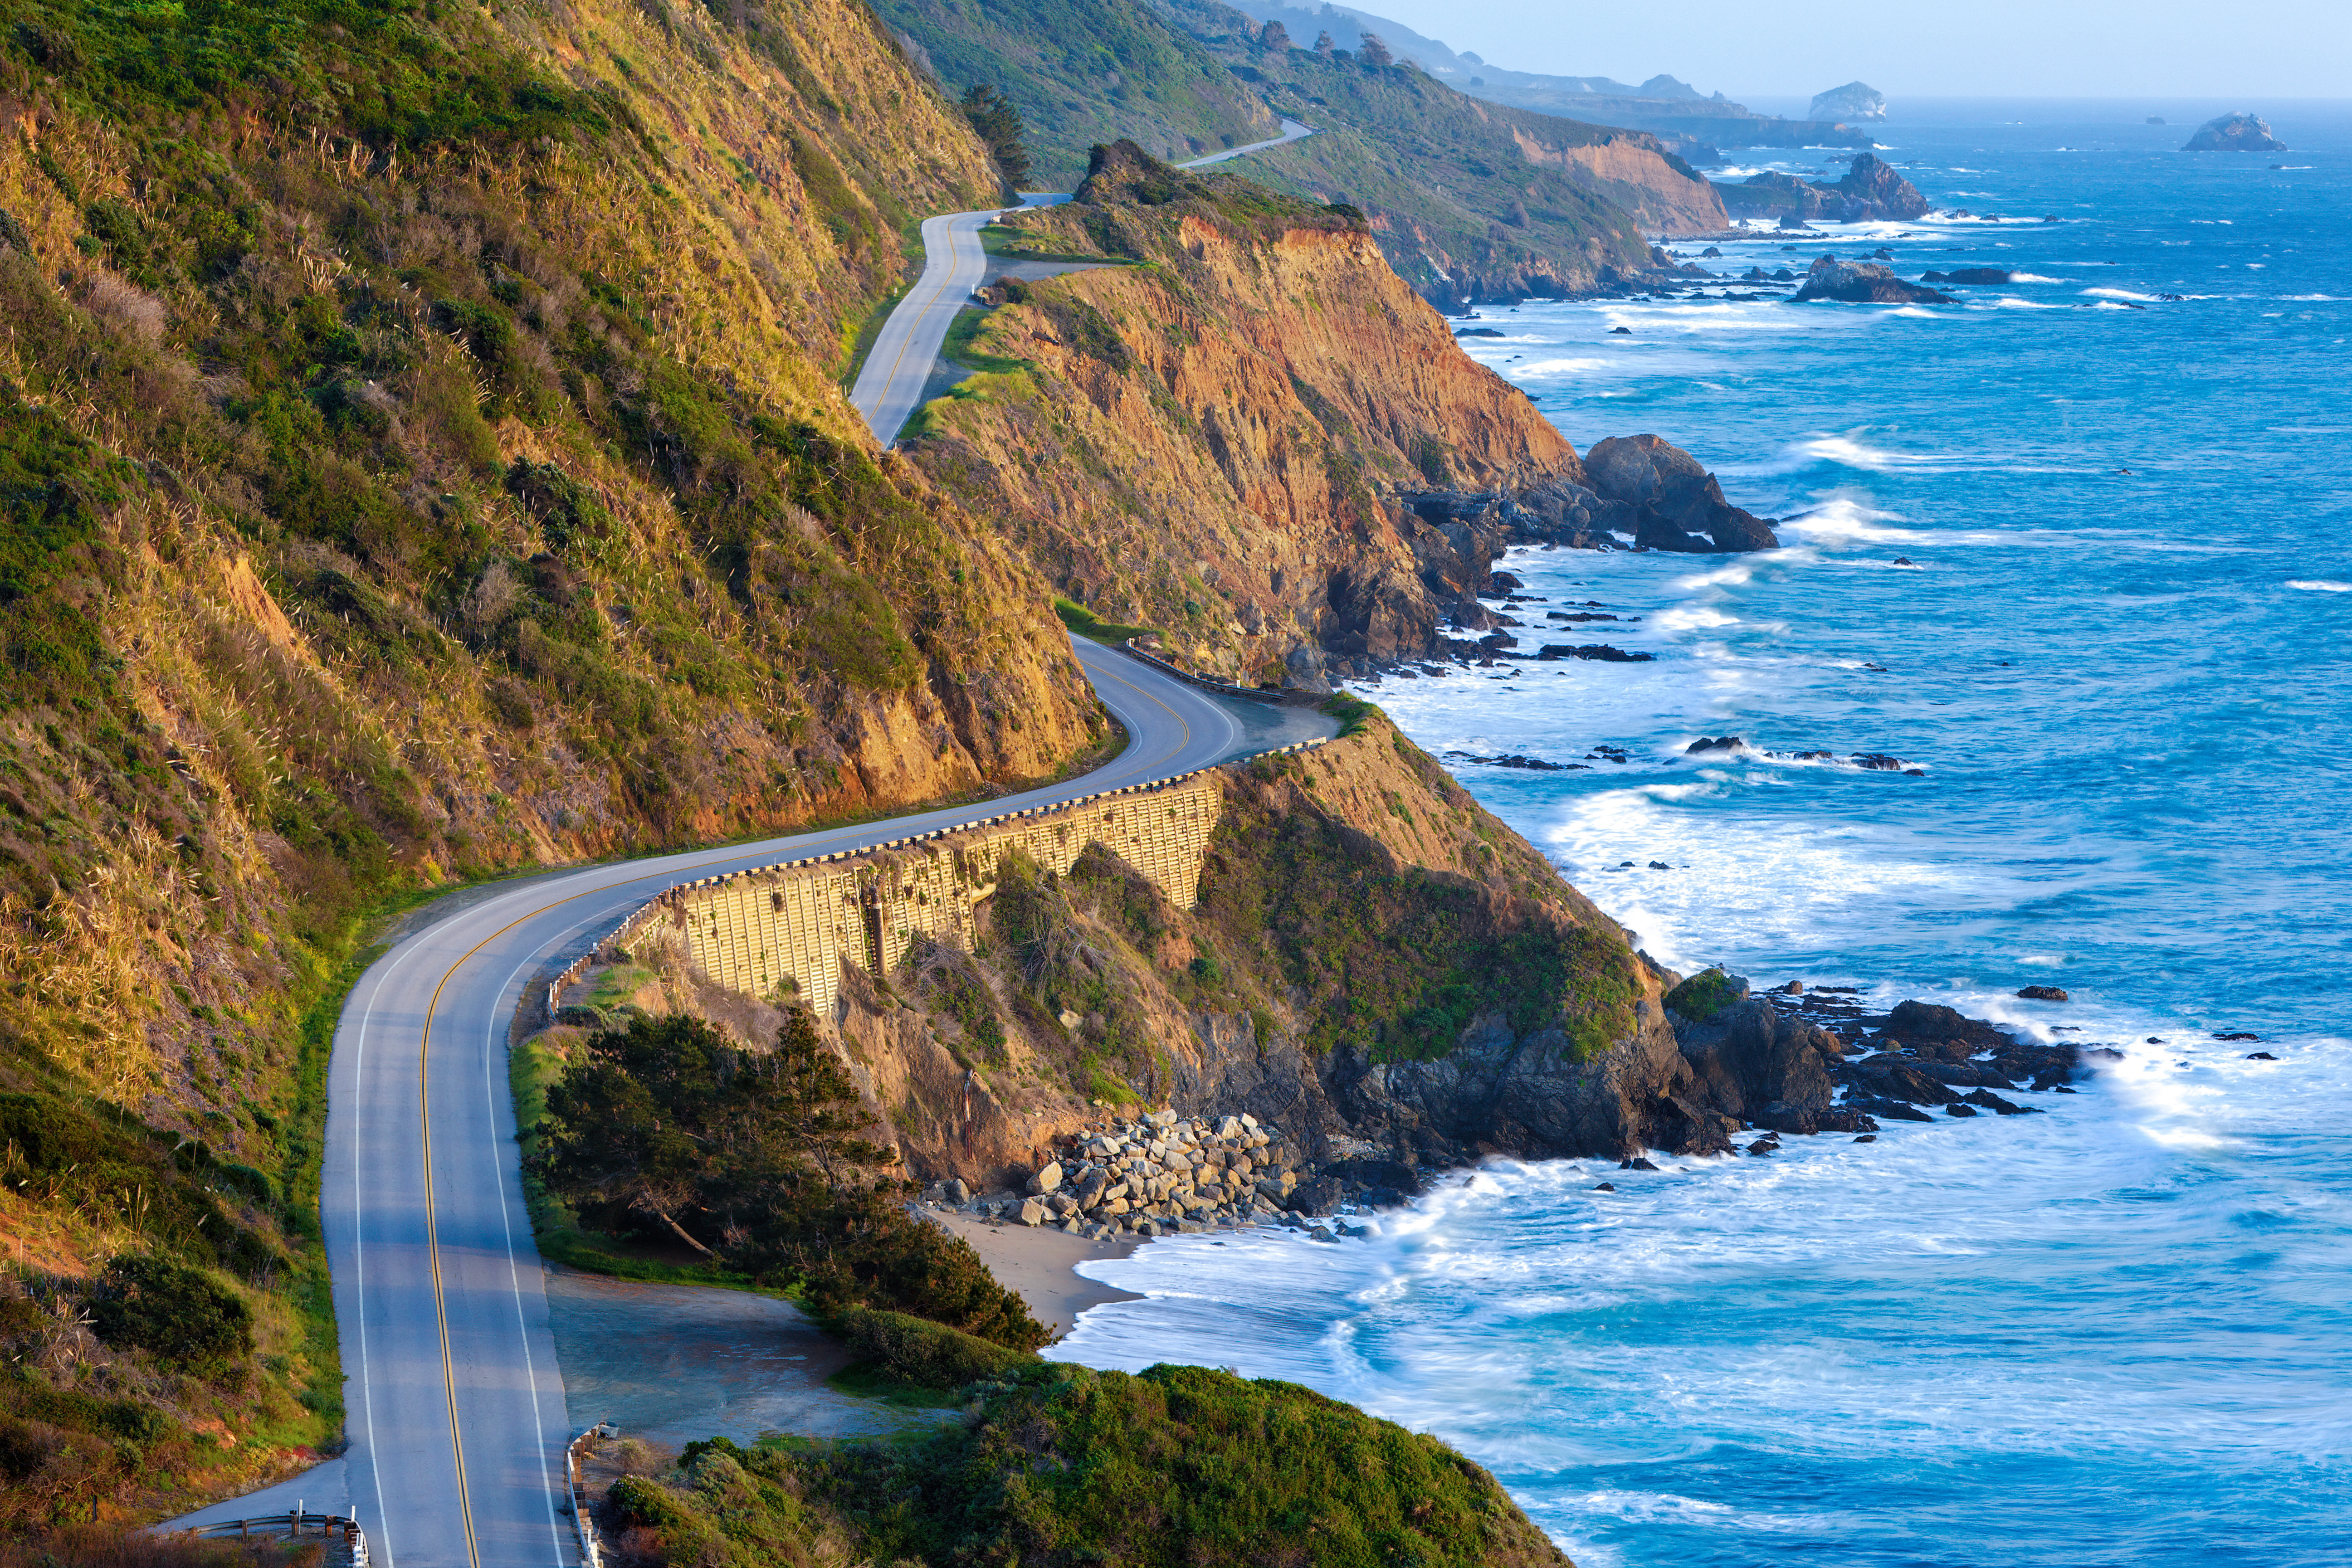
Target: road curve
(889, 386)
(454, 1402)
(1291, 131)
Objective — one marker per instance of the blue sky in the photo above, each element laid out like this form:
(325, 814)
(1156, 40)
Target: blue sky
(2089, 48)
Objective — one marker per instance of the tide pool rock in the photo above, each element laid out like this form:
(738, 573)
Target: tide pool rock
(2235, 133)
(1863, 283)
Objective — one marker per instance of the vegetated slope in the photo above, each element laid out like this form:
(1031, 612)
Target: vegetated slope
(422, 454)
(1056, 1466)
(1471, 200)
(1084, 71)
(1373, 958)
(1213, 443)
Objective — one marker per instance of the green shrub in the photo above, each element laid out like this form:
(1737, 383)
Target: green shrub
(1058, 1467)
(1705, 995)
(177, 1313)
(927, 1355)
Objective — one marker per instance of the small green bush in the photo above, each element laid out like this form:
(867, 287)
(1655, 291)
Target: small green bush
(927, 1355)
(1705, 995)
(177, 1313)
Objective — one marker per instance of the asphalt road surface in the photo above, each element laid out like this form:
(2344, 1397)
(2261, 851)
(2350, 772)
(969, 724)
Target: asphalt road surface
(891, 384)
(454, 1400)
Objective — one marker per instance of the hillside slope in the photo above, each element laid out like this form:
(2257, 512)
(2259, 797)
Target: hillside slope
(1472, 200)
(1214, 443)
(1083, 72)
(422, 456)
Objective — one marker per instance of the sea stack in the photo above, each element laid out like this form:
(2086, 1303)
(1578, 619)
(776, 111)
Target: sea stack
(2235, 133)
(1850, 103)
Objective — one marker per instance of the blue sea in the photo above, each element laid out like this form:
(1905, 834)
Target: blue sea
(2080, 551)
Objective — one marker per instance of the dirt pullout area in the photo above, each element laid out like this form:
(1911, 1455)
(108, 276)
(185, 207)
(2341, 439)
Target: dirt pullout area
(672, 1363)
(1043, 1265)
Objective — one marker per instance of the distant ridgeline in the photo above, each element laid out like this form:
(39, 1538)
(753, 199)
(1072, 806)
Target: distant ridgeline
(1660, 105)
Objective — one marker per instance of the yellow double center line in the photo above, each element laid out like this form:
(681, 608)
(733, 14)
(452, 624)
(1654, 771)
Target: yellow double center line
(424, 1116)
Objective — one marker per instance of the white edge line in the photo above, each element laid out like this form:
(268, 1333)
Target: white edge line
(506, 1222)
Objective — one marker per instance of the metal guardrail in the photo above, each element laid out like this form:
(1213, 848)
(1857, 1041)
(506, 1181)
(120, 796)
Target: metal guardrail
(293, 1525)
(591, 1551)
(661, 901)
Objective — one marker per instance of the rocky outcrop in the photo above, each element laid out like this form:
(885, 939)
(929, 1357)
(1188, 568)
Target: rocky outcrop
(1220, 445)
(1854, 103)
(1517, 1092)
(1863, 283)
(2234, 133)
(1870, 188)
(1869, 191)
(1678, 504)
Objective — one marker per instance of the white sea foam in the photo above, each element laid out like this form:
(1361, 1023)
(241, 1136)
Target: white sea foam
(2035, 277)
(1560, 367)
(2009, 302)
(2119, 294)
(2319, 585)
(2312, 297)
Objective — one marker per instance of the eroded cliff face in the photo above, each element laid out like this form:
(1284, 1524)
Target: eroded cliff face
(1218, 443)
(1376, 967)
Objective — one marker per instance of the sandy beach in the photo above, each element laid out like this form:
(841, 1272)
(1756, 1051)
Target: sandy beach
(1042, 1265)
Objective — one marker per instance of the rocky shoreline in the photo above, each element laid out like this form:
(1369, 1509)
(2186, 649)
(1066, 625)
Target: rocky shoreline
(1748, 1071)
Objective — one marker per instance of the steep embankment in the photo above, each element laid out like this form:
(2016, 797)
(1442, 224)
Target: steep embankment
(1375, 966)
(1083, 72)
(1471, 200)
(422, 456)
(1212, 443)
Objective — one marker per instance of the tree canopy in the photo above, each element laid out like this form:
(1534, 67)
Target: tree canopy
(759, 1159)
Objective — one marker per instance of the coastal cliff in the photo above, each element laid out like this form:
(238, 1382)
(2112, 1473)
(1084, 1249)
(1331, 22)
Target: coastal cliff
(1375, 967)
(1230, 425)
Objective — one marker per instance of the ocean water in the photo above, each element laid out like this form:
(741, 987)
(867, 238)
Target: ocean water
(2081, 553)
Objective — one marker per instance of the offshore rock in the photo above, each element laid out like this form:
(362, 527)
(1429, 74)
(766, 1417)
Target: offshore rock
(2234, 133)
(1864, 283)
(1676, 503)
(1856, 102)
(1872, 181)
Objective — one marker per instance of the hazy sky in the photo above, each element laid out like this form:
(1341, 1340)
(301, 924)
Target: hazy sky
(2088, 48)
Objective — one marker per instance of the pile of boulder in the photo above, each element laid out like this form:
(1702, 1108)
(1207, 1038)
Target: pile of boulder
(1157, 1176)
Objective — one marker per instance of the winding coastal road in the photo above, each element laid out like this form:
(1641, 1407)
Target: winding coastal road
(889, 385)
(454, 1402)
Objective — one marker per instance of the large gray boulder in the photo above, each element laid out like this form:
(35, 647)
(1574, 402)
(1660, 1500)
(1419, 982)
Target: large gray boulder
(2234, 133)
(1676, 503)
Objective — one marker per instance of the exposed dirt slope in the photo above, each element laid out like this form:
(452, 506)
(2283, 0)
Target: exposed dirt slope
(1376, 966)
(1214, 444)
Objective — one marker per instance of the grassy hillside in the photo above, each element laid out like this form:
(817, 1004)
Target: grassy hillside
(422, 456)
(1470, 200)
(1083, 72)
(1057, 1465)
